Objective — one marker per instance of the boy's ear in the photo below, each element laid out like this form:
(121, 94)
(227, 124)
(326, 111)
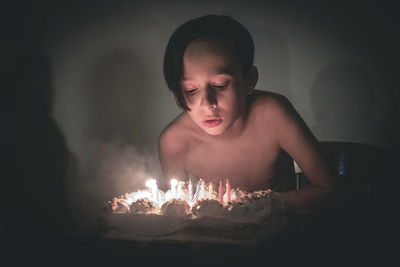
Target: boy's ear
(251, 80)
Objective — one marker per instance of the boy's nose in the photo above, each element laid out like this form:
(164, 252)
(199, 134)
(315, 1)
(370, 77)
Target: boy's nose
(209, 100)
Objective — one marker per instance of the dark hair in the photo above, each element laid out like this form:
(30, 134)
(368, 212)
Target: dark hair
(214, 27)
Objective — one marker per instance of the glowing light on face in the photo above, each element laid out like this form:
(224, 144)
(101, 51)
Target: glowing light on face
(213, 86)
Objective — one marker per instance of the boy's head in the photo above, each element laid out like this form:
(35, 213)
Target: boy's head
(222, 29)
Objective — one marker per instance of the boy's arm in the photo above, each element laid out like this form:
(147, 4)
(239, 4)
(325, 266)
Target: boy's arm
(296, 139)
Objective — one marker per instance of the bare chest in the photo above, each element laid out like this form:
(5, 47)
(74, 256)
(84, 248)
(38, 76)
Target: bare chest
(248, 163)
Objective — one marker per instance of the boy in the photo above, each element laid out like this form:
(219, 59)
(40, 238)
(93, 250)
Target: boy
(229, 130)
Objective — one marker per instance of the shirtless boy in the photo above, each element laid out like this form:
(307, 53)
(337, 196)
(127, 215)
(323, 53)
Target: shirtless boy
(230, 130)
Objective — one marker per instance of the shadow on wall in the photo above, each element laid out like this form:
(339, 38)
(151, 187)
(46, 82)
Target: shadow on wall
(34, 178)
(121, 100)
(342, 97)
(274, 56)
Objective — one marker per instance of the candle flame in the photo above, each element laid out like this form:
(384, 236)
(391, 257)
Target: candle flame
(151, 183)
(173, 182)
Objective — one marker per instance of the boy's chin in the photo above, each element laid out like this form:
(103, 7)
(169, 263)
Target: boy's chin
(214, 131)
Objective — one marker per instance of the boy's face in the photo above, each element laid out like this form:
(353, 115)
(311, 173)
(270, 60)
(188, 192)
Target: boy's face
(213, 85)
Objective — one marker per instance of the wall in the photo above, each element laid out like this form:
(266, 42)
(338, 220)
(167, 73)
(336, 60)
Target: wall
(332, 62)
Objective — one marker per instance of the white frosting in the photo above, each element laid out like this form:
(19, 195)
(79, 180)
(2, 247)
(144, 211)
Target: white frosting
(207, 207)
(175, 207)
(263, 208)
(141, 206)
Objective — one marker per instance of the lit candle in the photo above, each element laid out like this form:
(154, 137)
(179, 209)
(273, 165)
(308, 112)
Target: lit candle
(210, 190)
(228, 191)
(174, 183)
(152, 184)
(202, 189)
(180, 185)
(221, 193)
(197, 193)
(190, 191)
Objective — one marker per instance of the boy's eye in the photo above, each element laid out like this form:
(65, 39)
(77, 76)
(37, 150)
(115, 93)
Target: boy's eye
(190, 91)
(221, 86)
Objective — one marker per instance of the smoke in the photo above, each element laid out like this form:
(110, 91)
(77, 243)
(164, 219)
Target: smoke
(114, 168)
(109, 169)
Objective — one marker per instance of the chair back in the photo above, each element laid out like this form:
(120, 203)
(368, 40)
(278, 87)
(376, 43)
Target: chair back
(358, 167)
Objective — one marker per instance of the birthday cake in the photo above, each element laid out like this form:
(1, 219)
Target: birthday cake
(194, 213)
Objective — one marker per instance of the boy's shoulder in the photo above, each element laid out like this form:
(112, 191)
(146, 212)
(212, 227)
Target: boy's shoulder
(177, 126)
(269, 104)
(172, 137)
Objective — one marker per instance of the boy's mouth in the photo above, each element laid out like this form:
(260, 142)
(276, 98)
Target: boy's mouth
(210, 123)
